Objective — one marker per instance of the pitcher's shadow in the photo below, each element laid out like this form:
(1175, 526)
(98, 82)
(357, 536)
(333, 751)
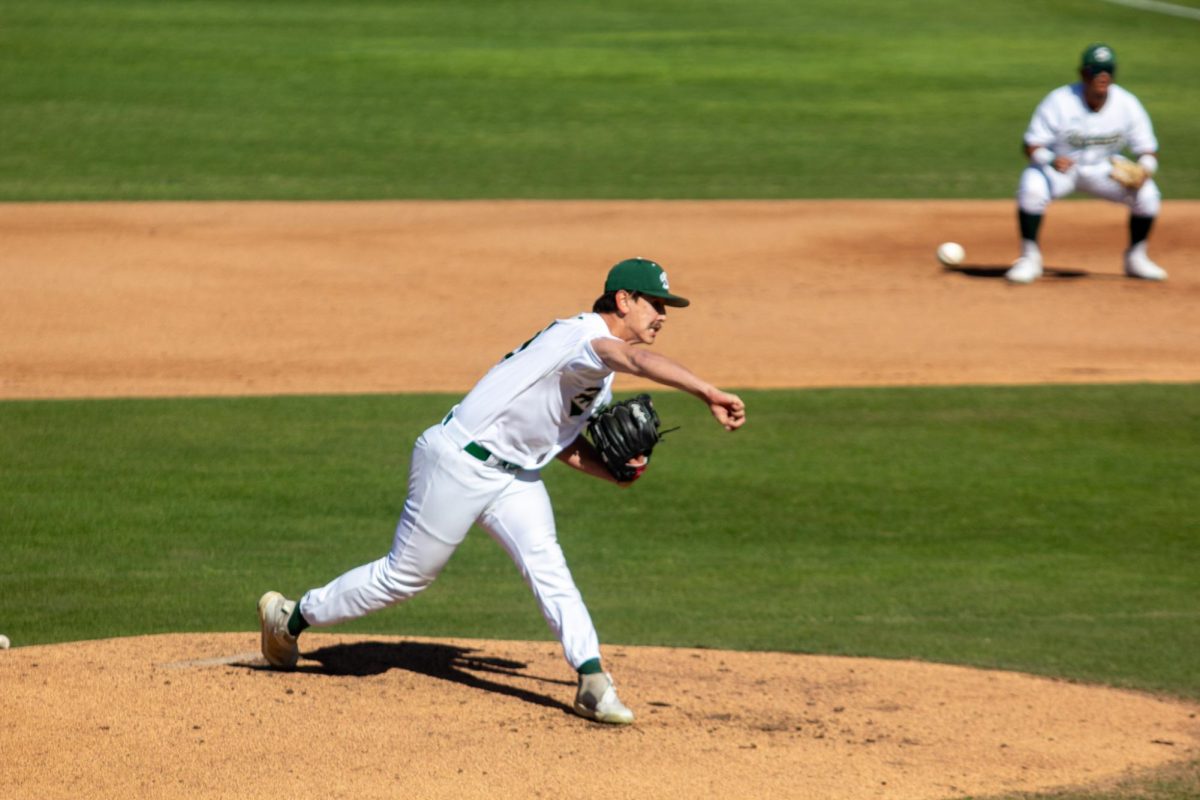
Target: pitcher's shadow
(445, 662)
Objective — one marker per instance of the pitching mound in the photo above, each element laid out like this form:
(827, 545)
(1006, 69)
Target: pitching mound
(199, 715)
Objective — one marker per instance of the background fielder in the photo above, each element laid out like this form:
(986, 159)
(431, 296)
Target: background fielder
(1074, 143)
(482, 464)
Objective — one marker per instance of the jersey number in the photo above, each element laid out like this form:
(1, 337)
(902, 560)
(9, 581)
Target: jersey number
(581, 402)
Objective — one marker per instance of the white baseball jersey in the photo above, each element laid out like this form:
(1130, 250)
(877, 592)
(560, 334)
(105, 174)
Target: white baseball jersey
(537, 400)
(1065, 124)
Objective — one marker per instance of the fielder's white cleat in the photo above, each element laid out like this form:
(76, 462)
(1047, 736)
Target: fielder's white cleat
(279, 647)
(1024, 270)
(1138, 265)
(597, 699)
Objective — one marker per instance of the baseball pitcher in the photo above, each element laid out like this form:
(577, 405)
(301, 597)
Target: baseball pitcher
(482, 464)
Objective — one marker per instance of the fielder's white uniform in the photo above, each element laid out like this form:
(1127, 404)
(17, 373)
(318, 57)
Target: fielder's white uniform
(482, 465)
(1065, 124)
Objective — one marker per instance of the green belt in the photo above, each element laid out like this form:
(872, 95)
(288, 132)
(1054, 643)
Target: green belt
(480, 452)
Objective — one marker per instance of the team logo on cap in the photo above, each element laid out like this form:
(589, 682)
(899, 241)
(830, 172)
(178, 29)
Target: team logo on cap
(1102, 54)
(662, 276)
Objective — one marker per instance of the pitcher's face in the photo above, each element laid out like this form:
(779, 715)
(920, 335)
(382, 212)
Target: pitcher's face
(645, 317)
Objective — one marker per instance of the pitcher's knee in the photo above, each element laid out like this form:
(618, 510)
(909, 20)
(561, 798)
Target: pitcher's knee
(401, 579)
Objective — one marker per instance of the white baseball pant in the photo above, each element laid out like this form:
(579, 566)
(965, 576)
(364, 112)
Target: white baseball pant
(1040, 185)
(448, 491)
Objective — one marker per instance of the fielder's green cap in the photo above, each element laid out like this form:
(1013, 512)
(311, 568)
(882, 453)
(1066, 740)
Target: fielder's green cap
(1099, 58)
(644, 276)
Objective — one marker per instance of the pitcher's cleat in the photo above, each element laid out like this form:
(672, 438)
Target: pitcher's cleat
(597, 700)
(279, 647)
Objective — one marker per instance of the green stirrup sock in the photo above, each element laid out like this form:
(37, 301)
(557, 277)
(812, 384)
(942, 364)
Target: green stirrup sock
(296, 622)
(590, 667)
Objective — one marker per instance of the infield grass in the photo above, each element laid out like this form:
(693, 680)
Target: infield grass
(299, 99)
(1049, 530)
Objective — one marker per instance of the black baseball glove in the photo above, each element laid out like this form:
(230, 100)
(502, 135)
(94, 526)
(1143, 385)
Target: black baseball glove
(624, 431)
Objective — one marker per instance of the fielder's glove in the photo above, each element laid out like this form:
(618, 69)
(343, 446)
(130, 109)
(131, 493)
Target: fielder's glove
(1127, 173)
(624, 431)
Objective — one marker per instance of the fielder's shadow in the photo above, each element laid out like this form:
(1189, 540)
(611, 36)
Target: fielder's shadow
(445, 662)
(989, 271)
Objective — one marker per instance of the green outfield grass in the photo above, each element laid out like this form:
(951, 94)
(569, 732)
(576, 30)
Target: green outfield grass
(1049, 530)
(216, 99)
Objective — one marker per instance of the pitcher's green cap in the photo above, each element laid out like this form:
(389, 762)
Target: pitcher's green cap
(1099, 58)
(644, 276)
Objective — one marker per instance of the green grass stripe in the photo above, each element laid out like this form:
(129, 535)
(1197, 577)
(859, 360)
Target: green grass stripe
(213, 99)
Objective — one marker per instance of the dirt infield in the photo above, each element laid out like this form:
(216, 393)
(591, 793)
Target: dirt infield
(260, 298)
(176, 299)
